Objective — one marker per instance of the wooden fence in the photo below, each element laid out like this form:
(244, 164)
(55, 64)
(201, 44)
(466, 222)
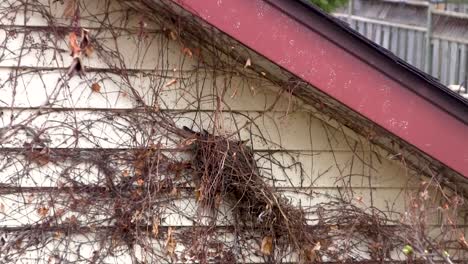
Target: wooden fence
(460, 6)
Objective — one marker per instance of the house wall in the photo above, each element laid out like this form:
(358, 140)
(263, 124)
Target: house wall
(37, 100)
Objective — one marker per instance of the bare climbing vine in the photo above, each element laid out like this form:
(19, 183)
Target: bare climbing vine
(110, 154)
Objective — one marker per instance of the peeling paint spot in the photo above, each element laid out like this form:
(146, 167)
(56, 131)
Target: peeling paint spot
(347, 84)
(385, 90)
(205, 15)
(400, 124)
(331, 78)
(262, 8)
(285, 61)
(363, 102)
(386, 106)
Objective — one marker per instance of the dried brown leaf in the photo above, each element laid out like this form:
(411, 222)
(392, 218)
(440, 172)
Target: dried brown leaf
(70, 8)
(171, 82)
(95, 87)
(88, 51)
(188, 142)
(58, 235)
(218, 200)
(155, 227)
(462, 241)
(173, 35)
(43, 211)
(267, 246)
(73, 220)
(171, 243)
(156, 107)
(39, 157)
(138, 172)
(187, 52)
(311, 252)
(74, 47)
(174, 192)
(140, 182)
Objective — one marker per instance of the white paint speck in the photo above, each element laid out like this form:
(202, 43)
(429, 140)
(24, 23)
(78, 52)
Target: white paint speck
(262, 8)
(386, 106)
(331, 78)
(401, 124)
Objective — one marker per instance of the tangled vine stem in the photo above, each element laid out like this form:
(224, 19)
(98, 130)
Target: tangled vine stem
(86, 178)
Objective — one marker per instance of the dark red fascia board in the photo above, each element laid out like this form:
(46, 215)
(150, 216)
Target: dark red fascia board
(308, 45)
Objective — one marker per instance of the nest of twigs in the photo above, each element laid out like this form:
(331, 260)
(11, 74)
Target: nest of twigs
(227, 171)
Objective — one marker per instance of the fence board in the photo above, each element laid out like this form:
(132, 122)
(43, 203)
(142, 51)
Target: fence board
(369, 30)
(435, 58)
(445, 61)
(410, 56)
(378, 34)
(454, 64)
(463, 64)
(361, 27)
(402, 43)
(394, 40)
(386, 37)
(419, 58)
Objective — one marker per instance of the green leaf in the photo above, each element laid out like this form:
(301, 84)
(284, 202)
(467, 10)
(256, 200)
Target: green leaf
(329, 5)
(407, 250)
